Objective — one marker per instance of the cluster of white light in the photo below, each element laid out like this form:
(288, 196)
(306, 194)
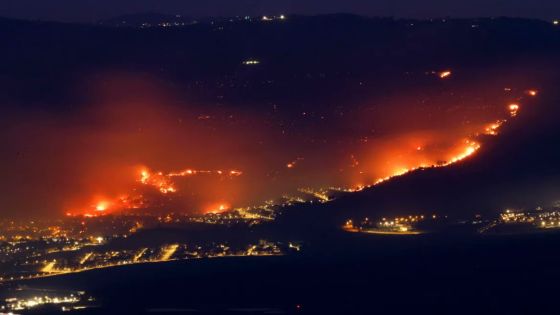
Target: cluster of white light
(14, 304)
(251, 62)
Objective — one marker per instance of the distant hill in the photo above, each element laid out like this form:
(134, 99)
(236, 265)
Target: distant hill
(148, 19)
(378, 49)
(519, 169)
(313, 61)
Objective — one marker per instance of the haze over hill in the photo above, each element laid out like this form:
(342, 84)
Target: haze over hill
(281, 102)
(333, 164)
(517, 170)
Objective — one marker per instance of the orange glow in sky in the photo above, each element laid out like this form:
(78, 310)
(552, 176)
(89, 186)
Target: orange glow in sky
(143, 154)
(102, 206)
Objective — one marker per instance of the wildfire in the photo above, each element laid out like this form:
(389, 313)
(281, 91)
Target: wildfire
(532, 92)
(158, 180)
(472, 147)
(98, 208)
(164, 183)
(492, 129)
(445, 74)
(293, 163)
(217, 208)
(189, 172)
(513, 109)
(102, 206)
(419, 154)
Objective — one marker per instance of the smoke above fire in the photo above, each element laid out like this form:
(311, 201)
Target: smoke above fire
(135, 144)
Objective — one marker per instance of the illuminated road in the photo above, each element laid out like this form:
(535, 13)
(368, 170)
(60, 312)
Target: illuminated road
(86, 257)
(376, 231)
(53, 272)
(168, 252)
(139, 255)
(49, 268)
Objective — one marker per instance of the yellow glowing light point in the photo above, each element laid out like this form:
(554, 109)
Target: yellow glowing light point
(145, 175)
(444, 74)
(282, 17)
(556, 22)
(533, 92)
(513, 109)
(102, 206)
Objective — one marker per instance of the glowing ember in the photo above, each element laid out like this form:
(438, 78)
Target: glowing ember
(513, 109)
(164, 183)
(532, 92)
(158, 180)
(293, 163)
(492, 129)
(102, 206)
(218, 208)
(445, 74)
(189, 172)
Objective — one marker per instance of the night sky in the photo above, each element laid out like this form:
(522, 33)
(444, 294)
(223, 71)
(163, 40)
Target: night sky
(93, 10)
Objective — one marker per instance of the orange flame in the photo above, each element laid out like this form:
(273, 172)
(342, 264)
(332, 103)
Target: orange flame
(445, 74)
